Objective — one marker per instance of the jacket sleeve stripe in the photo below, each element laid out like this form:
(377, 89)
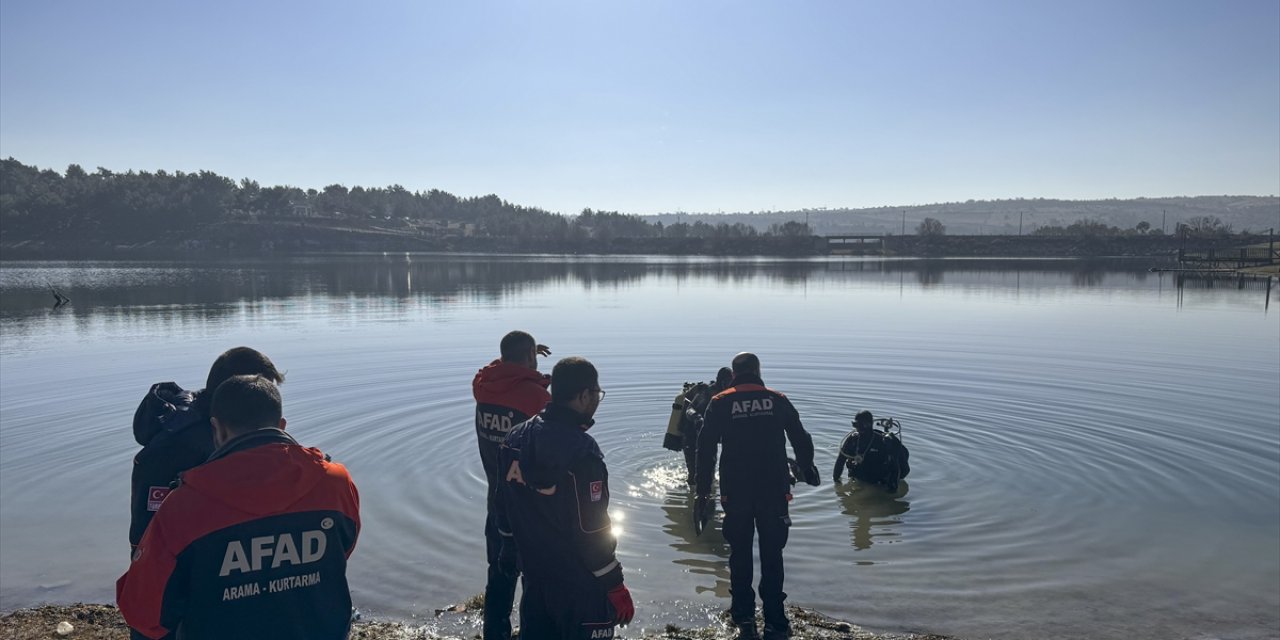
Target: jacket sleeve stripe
(602, 571)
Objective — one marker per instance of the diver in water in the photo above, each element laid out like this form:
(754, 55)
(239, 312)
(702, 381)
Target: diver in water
(686, 417)
(873, 456)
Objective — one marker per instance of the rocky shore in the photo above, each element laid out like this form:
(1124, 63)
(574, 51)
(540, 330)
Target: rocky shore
(103, 622)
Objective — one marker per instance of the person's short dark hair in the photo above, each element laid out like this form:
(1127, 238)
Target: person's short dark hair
(863, 419)
(745, 363)
(241, 361)
(725, 374)
(570, 377)
(245, 403)
(516, 345)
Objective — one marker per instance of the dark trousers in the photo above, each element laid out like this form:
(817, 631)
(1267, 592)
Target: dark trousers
(743, 516)
(555, 611)
(499, 591)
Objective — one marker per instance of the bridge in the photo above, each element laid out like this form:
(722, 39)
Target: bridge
(854, 245)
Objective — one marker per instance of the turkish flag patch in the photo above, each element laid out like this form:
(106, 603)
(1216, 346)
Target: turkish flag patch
(597, 490)
(156, 496)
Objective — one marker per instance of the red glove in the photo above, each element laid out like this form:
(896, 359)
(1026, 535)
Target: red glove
(624, 610)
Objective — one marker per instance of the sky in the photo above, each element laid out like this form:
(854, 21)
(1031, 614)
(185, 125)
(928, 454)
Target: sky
(659, 106)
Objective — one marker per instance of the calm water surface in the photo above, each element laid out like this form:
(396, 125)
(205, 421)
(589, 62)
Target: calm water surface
(1095, 449)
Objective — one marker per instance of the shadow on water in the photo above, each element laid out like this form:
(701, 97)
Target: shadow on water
(874, 512)
(678, 508)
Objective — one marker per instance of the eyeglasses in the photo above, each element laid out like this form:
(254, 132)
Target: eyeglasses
(599, 391)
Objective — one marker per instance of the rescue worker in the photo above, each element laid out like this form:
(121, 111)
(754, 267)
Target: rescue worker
(172, 425)
(554, 498)
(253, 543)
(688, 416)
(508, 391)
(873, 457)
(753, 424)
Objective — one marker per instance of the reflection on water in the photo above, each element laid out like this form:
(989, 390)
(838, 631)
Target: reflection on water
(181, 290)
(1094, 384)
(873, 512)
(703, 555)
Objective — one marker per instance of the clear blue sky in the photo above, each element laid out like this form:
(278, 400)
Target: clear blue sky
(659, 105)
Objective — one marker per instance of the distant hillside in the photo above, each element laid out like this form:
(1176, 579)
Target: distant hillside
(982, 217)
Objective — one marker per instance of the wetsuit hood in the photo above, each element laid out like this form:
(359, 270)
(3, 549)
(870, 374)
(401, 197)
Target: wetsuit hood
(262, 472)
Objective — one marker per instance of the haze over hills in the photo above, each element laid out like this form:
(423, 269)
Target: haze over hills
(987, 217)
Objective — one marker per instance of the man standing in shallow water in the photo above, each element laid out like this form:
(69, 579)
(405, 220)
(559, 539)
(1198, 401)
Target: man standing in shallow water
(508, 391)
(753, 423)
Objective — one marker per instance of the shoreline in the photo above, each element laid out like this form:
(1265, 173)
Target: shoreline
(103, 622)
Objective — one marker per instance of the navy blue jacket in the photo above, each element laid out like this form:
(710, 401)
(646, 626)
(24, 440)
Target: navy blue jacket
(753, 423)
(554, 498)
(173, 428)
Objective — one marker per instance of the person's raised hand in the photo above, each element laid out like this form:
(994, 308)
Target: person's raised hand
(543, 350)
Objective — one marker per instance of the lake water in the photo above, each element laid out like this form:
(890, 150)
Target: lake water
(1095, 449)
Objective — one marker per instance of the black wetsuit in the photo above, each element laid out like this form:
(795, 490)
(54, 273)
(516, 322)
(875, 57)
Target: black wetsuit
(874, 458)
(695, 409)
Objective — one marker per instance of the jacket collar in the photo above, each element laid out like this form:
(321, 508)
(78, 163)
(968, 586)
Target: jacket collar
(255, 438)
(565, 415)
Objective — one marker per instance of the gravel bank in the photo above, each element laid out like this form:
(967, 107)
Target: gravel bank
(103, 622)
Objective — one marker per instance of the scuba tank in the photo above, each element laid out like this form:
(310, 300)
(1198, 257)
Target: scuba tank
(674, 440)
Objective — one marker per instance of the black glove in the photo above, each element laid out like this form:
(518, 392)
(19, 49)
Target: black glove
(811, 476)
(507, 556)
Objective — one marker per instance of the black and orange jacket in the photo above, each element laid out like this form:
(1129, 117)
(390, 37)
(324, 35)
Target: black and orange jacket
(252, 544)
(554, 497)
(753, 423)
(506, 395)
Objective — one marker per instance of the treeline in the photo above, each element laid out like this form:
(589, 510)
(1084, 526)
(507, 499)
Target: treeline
(1197, 226)
(1021, 216)
(46, 213)
(140, 205)
(188, 209)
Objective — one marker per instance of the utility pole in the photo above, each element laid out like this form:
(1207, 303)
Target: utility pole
(1019, 223)
(904, 223)
(1162, 229)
